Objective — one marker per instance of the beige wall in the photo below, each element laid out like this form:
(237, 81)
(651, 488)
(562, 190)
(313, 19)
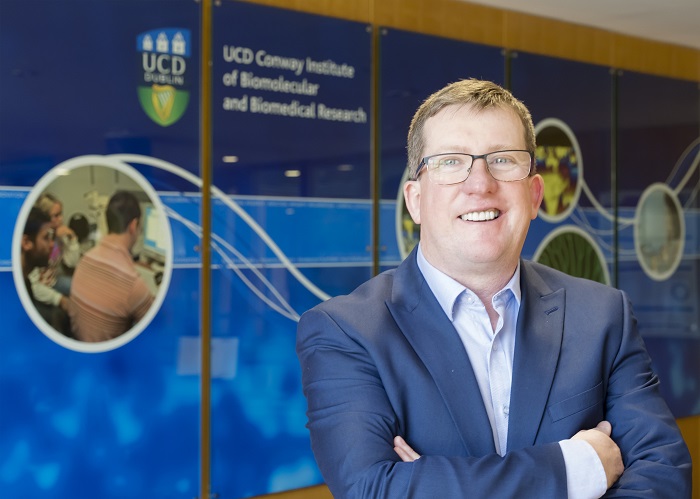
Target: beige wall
(516, 31)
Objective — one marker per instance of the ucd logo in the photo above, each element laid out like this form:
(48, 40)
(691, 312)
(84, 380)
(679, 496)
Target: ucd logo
(163, 89)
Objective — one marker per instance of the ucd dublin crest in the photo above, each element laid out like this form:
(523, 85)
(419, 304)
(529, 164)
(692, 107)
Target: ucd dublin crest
(163, 86)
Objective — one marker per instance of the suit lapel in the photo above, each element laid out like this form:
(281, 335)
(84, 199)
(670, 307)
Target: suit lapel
(435, 340)
(537, 345)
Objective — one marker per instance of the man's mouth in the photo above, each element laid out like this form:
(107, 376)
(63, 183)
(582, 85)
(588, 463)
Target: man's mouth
(480, 216)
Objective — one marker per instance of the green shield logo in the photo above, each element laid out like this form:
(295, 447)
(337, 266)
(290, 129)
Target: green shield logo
(163, 87)
(163, 103)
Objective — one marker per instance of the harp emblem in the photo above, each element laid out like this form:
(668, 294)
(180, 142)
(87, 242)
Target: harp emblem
(163, 99)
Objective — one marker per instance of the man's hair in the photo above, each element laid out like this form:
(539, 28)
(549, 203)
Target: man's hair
(35, 221)
(480, 95)
(122, 208)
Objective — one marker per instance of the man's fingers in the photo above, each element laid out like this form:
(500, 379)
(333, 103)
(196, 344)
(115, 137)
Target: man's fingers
(405, 451)
(605, 427)
(403, 455)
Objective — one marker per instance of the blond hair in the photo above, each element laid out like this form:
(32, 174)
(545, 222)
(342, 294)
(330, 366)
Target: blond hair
(46, 202)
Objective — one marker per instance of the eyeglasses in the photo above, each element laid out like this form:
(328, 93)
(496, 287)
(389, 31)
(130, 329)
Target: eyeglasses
(453, 168)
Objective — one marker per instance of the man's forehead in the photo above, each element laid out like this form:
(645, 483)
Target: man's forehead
(461, 113)
(472, 110)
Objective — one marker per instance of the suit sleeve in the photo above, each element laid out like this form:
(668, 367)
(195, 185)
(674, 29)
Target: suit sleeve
(352, 425)
(657, 461)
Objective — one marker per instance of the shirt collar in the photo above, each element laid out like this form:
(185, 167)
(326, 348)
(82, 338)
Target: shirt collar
(112, 243)
(447, 290)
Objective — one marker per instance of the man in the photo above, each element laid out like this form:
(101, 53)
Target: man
(468, 372)
(37, 244)
(108, 295)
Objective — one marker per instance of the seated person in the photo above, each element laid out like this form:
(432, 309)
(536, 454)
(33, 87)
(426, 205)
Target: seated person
(51, 283)
(37, 245)
(108, 295)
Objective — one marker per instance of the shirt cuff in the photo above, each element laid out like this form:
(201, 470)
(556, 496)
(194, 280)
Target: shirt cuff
(585, 476)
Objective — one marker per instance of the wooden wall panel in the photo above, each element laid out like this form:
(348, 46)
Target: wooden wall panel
(567, 41)
(319, 492)
(355, 10)
(690, 427)
(511, 30)
(447, 18)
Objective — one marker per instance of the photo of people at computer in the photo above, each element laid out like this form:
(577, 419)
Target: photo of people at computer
(93, 252)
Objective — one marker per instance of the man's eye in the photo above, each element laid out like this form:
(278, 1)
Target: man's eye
(450, 162)
(501, 160)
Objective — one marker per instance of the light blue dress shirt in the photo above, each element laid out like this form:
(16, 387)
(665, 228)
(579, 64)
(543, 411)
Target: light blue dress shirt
(491, 355)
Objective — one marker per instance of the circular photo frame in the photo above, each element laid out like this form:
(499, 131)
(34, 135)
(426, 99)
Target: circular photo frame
(659, 231)
(559, 162)
(573, 251)
(75, 195)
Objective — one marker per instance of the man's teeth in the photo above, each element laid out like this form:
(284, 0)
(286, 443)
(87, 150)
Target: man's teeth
(478, 216)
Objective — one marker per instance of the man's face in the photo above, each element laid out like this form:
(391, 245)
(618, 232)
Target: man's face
(450, 242)
(39, 251)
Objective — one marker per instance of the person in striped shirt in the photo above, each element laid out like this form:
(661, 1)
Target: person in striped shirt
(108, 295)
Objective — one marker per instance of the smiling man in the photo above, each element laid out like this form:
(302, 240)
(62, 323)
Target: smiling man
(469, 372)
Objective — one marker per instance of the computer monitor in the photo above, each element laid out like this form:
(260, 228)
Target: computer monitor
(154, 236)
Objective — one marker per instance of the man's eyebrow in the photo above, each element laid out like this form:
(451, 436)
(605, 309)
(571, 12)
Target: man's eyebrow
(462, 149)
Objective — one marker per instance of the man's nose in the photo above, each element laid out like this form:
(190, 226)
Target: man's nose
(479, 175)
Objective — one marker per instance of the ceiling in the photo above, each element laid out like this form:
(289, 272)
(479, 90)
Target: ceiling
(670, 21)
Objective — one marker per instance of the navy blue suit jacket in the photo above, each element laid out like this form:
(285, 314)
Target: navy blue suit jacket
(385, 360)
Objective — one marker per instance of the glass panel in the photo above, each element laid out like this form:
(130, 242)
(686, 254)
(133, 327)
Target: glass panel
(99, 97)
(658, 154)
(574, 230)
(291, 224)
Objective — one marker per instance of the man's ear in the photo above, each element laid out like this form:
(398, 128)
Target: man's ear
(27, 243)
(133, 226)
(536, 194)
(411, 196)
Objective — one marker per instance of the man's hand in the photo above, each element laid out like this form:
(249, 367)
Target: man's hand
(64, 231)
(607, 450)
(405, 452)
